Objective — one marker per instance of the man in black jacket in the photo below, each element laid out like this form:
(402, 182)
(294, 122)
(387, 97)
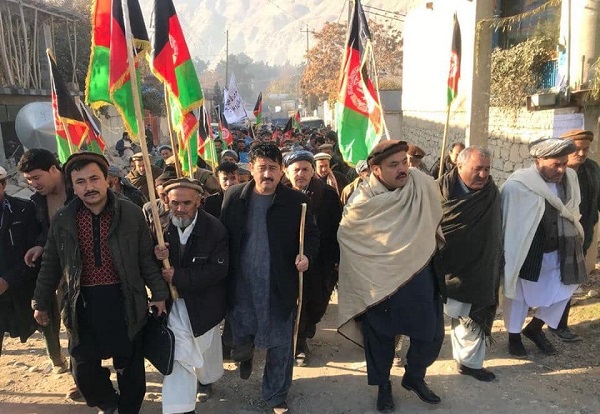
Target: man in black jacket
(321, 278)
(198, 251)
(263, 219)
(18, 231)
(449, 160)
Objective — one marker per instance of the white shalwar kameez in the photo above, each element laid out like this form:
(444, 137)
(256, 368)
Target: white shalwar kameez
(197, 359)
(549, 295)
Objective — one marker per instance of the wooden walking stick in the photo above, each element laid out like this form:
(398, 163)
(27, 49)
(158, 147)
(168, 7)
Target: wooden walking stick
(300, 277)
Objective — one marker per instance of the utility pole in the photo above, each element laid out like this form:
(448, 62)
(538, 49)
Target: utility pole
(307, 45)
(226, 57)
(350, 4)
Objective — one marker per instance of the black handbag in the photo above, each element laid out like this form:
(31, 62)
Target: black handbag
(159, 343)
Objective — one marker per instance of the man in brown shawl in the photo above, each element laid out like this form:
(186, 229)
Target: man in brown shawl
(471, 259)
(387, 286)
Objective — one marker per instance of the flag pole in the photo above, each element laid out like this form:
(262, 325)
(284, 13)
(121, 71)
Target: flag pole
(387, 132)
(72, 149)
(189, 157)
(444, 139)
(174, 145)
(140, 124)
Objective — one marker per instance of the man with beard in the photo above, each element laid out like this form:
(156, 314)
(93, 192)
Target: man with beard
(543, 243)
(388, 235)
(137, 176)
(263, 219)
(472, 223)
(101, 245)
(588, 175)
(197, 247)
(449, 160)
(321, 278)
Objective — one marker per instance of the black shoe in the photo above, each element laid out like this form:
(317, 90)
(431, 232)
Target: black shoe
(281, 408)
(204, 391)
(111, 410)
(421, 389)
(516, 347)
(226, 353)
(538, 338)
(565, 334)
(385, 400)
(245, 369)
(480, 374)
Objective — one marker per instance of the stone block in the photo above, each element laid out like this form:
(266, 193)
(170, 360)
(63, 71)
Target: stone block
(524, 151)
(504, 153)
(508, 167)
(514, 154)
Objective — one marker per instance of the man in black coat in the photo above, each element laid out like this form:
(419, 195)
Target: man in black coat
(449, 160)
(18, 231)
(198, 250)
(263, 219)
(321, 278)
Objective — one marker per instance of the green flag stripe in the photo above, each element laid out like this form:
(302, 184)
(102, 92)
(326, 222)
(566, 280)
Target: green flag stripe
(190, 93)
(97, 79)
(62, 149)
(357, 135)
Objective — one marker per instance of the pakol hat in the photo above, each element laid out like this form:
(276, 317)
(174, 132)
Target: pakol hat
(322, 156)
(415, 151)
(3, 173)
(81, 156)
(384, 149)
(577, 134)
(138, 156)
(183, 183)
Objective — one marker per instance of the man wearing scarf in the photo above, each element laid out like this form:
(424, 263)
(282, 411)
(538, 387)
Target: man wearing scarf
(588, 174)
(321, 277)
(389, 232)
(472, 223)
(543, 243)
(199, 254)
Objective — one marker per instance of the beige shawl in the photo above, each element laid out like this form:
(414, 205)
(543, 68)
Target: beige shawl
(386, 238)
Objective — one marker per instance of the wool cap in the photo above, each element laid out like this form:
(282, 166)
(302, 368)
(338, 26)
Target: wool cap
(230, 153)
(361, 166)
(384, 149)
(3, 173)
(299, 155)
(138, 156)
(115, 171)
(84, 155)
(183, 182)
(322, 156)
(164, 147)
(323, 147)
(415, 151)
(551, 147)
(577, 134)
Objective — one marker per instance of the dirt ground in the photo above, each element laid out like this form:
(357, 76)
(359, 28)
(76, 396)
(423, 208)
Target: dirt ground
(335, 380)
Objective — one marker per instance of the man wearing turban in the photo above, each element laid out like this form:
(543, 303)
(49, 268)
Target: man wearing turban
(543, 243)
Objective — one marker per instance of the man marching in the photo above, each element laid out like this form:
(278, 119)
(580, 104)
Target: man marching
(263, 219)
(199, 255)
(389, 232)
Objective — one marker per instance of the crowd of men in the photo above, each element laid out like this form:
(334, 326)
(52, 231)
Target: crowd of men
(403, 249)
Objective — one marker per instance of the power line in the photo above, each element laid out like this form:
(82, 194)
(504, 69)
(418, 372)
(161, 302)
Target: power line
(384, 16)
(383, 10)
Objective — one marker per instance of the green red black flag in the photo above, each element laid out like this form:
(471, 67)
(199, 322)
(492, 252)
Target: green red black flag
(288, 129)
(296, 123)
(171, 61)
(258, 109)
(94, 141)
(358, 112)
(224, 130)
(68, 122)
(108, 79)
(455, 55)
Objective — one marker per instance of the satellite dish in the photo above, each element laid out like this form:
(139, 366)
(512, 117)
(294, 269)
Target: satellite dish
(34, 125)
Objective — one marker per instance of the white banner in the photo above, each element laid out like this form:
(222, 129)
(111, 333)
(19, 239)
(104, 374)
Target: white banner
(233, 107)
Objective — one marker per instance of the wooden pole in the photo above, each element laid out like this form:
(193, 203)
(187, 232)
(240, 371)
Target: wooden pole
(72, 149)
(300, 277)
(140, 124)
(174, 144)
(444, 139)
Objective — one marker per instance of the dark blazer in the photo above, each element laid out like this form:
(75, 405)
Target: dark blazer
(213, 203)
(283, 224)
(201, 272)
(18, 231)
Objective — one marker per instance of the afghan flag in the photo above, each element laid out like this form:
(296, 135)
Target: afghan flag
(206, 140)
(358, 112)
(258, 109)
(108, 79)
(185, 126)
(454, 71)
(223, 125)
(288, 129)
(68, 122)
(296, 122)
(171, 61)
(94, 141)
